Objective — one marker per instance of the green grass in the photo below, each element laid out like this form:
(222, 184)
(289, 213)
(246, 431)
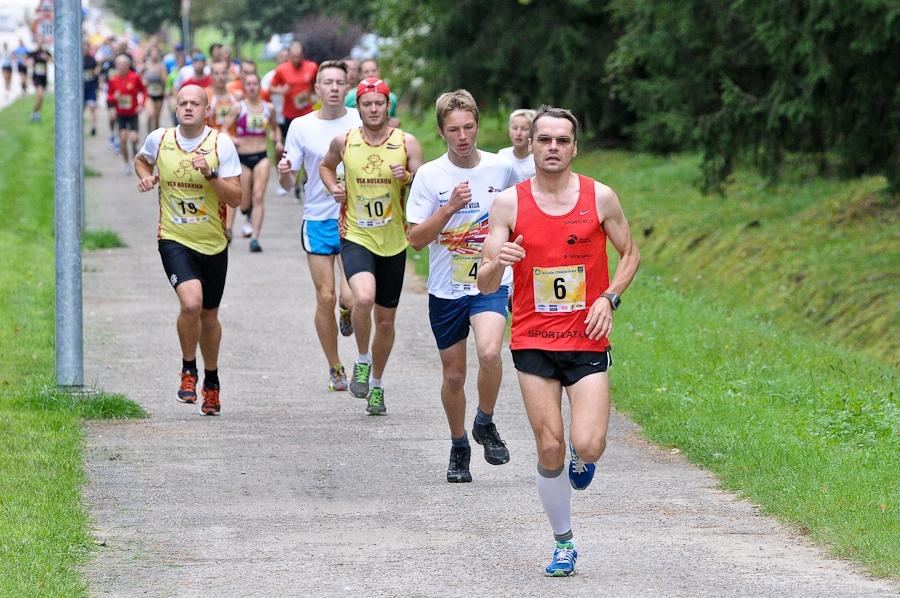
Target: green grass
(807, 430)
(44, 525)
(101, 239)
(760, 337)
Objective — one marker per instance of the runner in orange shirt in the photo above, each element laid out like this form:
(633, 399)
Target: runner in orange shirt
(295, 79)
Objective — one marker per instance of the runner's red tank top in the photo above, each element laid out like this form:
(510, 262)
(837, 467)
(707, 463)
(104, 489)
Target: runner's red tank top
(564, 272)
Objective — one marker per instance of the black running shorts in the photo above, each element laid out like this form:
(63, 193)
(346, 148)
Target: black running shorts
(183, 263)
(388, 271)
(566, 366)
(251, 160)
(127, 123)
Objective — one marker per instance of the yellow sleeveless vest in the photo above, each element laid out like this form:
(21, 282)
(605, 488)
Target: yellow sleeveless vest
(373, 214)
(189, 209)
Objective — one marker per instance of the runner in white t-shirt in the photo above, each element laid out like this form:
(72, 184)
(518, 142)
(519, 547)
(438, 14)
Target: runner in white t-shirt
(308, 139)
(519, 153)
(448, 210)
(277, 99)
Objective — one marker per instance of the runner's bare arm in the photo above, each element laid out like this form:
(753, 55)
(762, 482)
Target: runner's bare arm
(229, 119)
(328, 169)
(276, 131)
(497, 251)
(228, 189)
(144, 170)
(415, 157)
(599, 318)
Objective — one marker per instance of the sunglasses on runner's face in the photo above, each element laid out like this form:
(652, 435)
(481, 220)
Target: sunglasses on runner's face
(547, 140)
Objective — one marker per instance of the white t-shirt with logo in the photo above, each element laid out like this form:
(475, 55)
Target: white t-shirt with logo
(524, 166)
(229, 162)
(456, 253)
(308, 139)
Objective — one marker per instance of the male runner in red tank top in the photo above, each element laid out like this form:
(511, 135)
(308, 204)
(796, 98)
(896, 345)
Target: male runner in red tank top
(552, 229)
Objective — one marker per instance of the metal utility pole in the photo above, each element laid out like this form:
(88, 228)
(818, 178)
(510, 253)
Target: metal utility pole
(186, 26)
(67, 191)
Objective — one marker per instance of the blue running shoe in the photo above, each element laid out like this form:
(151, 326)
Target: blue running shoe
(580, 473)
(563, 562)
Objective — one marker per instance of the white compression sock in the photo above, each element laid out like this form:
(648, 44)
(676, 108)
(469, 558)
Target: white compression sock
(556, 494)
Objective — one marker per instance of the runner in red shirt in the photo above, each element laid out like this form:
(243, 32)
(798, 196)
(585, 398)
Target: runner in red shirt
(562, 309)
(127, 93)
(295, 79)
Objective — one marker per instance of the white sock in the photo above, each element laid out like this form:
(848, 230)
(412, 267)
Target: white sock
(555, 494)
(375, 382)
(364, 358)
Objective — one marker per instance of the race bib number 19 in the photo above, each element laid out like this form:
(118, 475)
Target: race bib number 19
(464, 269)
(189, 210)
(560, 289)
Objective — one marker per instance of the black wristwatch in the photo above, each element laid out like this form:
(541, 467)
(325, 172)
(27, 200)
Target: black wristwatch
(614, 299)
(213, 174)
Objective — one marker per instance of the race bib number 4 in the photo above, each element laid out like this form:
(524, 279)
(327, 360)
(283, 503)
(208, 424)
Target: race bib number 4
(189, 210)
(464, 270)
(372, 212)
(560, 289)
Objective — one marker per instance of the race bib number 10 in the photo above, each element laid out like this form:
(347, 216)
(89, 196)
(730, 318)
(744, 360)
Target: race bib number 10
(372, 212)
(560, 289)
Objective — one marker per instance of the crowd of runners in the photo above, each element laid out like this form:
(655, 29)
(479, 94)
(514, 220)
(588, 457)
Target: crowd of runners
(514, 230)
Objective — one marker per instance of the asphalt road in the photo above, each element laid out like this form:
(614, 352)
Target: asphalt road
(294, 491)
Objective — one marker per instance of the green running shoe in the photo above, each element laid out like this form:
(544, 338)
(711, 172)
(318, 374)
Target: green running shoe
(359, 385)
(376, 402)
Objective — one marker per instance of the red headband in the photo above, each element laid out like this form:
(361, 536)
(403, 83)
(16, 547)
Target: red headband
(372, 85)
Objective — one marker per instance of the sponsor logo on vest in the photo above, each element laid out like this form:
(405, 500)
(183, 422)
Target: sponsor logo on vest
(575, 239)
(538, 333)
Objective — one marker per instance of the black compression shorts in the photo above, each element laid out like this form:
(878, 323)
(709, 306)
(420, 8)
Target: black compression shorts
(388, 271)
(183, 263)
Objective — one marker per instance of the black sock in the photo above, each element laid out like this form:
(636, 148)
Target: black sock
(189, 366)
(211, 379)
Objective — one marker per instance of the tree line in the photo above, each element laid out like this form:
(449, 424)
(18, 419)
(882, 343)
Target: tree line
(751, 81)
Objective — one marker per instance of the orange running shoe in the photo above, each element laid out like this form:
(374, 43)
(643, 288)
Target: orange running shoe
(188, 391)
(211, 405)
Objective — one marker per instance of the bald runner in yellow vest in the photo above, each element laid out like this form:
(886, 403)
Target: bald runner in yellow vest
(379, 163)
(198, 172)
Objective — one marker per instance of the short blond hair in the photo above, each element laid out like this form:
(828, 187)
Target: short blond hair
(454, 100)
(526, 113)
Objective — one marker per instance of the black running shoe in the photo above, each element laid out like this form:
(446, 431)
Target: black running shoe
(495, 451)
(458, 470)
